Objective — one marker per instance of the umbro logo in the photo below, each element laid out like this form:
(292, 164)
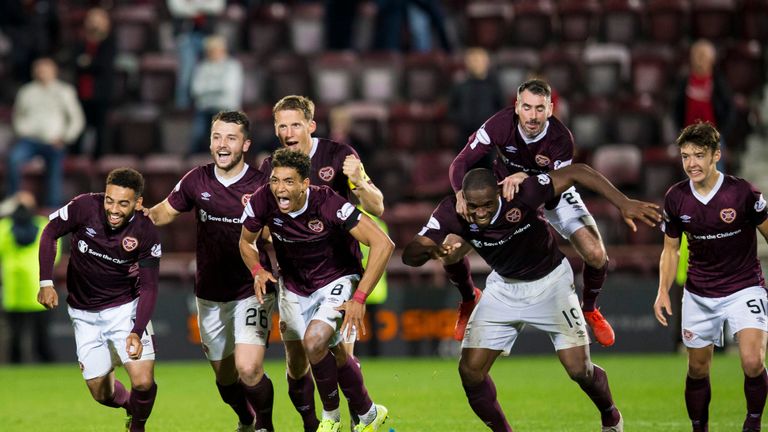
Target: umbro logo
(205, 196)
(685, 219)
(278, 221)
(511, 149)
(90, 232)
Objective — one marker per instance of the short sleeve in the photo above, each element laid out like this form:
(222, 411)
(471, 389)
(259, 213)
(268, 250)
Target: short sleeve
(182, 197)
(756, 211)
(255, 211)
(671, 222)
(442, 222)
(339, 212)
(535, 191)
(151, 250)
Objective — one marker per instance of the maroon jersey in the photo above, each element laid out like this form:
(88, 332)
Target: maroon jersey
(720, 227)
(218, 204)
(517, 244)
(327, 159)
(104, 263)
(313, 245)
(552, 149)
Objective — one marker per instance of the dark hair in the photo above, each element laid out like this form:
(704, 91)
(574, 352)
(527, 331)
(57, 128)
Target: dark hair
(298, 103)
(536, 86)
(479, 178)
(701, 134)
(291, 159)
(236, 117)
(127, 178)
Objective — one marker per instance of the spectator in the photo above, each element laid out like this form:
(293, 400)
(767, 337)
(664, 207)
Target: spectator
(46, 117)
(476, 98)
(193, 20)
(94, 68)
(217, 85)
(33, 29)
(19, 241)
(703, 94)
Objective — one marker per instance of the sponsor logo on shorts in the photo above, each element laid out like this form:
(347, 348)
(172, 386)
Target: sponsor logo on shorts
(315, 225)
(687, 335)
(513, 215)
(130, 243)
(326, 173)
(245, 198)
(542, 160)
(728, 215)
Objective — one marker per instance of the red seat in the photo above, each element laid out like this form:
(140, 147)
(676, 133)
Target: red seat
(589, 123)
(488, 23)
(305, 23)
(532, 24)
(579, 20)
(288, 74)
(136, 129)
(712, 19)
(411, 126)
(380, 77)
(667, 20)
(513, 67)
(606, 69)
(622, 21)
(334, 75)
(651, 71)
(161, 173)
(158, 78)
(636, 123)
(267, 29)
(429, 174)
(79, 176)
(743, 66)
(135, 27)
(425, 77)
(752, 19)
(619, 163)
(560, 67)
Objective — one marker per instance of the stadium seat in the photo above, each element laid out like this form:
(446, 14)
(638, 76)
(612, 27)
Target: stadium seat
(406, 219)
(743, 67)
(158, 78)
(230, 26)
(636, 121)
(612, 229)
(161, 173)
(488, 23)
(334, 75)
(667, 20)
(560, 67)
(619, 163)
(305, 23)
(380, 77)
(751, 20)
(412, 126)
(135, 27)
(606, 69)
(390, 170)
(288, 74)
(579, 20)
(179, 236)
(135, 129)
(267, 29)
(712, 19)
(424, 76)
(589, 123)
(661, 169)
(651, 71)
(79, 177)
(262, 130)
(532, 23)
(622, 21)
(108, 162)
(513, 66)
(176, 132)
(254, 79)
(429, 174)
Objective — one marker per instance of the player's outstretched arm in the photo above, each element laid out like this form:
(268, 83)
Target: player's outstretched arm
(667, 271)
(250, 255)
(162, 213)
(422, 249)
(381, 247)
(371, 198)
(586, 176)
(763, 228)
(47, 295)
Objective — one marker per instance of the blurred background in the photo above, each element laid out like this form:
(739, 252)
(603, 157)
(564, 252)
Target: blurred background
(404, 82)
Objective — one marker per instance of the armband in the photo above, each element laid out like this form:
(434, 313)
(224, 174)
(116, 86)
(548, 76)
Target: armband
(359, 296)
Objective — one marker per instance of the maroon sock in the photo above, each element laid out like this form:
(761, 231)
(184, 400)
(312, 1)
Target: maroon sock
(351, 383)
(302, 394)
(261, 397)
(460, 276)
(482, 399)
(697, 396)
(755, 390)
(234, 396)
(141, 402)
(594, 278)
(119, 398)
(327, 380)
(600, 392)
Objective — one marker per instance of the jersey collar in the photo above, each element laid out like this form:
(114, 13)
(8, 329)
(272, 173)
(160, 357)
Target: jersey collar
(230, 181)
(706, 199)
(498, 212)
(314, 147)
(298, 212)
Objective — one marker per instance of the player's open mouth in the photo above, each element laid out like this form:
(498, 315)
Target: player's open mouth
(291, 144)
(224, 156)
(284, 203)
(114, 219)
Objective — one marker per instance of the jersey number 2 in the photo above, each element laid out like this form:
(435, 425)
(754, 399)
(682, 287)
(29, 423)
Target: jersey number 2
(254, 315)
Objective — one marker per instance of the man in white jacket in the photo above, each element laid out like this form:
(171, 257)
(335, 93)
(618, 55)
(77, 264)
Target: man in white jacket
(46, 117)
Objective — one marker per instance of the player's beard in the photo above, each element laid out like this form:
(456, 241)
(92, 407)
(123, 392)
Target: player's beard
(123, 222)
(235, 159)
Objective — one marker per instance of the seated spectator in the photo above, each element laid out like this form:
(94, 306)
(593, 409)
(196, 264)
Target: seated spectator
(46, 117)
(217, 85)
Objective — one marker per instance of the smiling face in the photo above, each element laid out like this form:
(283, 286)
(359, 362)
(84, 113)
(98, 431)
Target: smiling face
(228, 145)
(119, 205)
(482, 205)
(288, 189)
(294, 130)
(699, 162)
(533, 110)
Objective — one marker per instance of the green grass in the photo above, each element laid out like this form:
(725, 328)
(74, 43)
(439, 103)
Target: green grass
(421, 394)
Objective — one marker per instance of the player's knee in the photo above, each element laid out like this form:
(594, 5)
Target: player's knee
(752, 364)
(143, 383)
(595, 256)
(581, 374)
(315, 348)
(470, 375)
(250, 374)
(698, 370)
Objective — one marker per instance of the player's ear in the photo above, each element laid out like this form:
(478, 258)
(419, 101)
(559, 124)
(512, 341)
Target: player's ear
(139, 202)
(312, 126)
(550, 109)
(717, 155)
(246, 145)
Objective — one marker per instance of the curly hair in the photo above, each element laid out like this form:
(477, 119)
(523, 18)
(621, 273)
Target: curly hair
(127, 178)
(288, 158)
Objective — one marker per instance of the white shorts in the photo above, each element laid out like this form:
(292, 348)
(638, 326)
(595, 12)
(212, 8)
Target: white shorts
(549, 304)
(100, 337)
(297, 311)
(703, 317)
(224, 324)
(570, 214)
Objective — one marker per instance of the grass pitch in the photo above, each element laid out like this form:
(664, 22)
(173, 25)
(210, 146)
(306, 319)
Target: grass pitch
(421, 394)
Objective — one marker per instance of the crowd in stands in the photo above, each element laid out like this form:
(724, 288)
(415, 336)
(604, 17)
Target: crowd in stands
(405, 82)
